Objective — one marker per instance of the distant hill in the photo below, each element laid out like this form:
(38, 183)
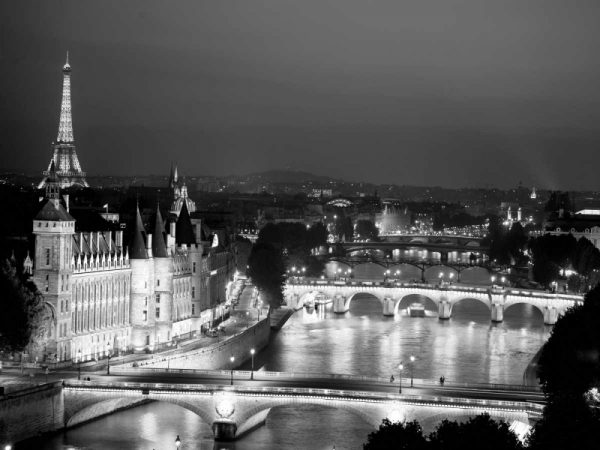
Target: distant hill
(290, 176)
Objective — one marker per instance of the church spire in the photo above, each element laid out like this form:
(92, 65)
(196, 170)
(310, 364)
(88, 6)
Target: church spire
(137, 250)
(65, 126)
(159, 247)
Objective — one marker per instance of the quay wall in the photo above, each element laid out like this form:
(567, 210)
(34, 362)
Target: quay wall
(217, 356)
(31, 412)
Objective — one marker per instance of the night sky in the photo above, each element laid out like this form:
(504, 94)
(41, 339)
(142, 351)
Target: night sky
(451, 93)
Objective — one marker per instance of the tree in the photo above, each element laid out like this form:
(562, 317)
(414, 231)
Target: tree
(478, 432)
(317, 235)
(396, 435)
(516, 241)
(569, 369)
(23, 308)
(366, 229)
(496, 240)
(570, 361)
(266, 268)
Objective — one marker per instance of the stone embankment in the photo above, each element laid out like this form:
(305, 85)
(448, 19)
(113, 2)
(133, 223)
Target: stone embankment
(218, 355)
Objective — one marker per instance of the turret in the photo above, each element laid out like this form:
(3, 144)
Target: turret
(137, 249)
(54, 228)
(184, 231)
(159, 247)
(143, 335)
(163, 286)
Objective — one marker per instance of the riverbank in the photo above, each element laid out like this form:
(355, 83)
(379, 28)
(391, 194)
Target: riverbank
(218, 355)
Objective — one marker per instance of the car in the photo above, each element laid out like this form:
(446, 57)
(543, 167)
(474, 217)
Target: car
(212, 332)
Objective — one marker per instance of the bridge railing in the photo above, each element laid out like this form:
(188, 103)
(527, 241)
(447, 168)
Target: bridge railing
(261, 374)
(329, 394)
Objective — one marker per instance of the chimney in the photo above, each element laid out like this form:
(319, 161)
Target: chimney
(149, 245)
(66, 197)
(119, 239)
(198, 231)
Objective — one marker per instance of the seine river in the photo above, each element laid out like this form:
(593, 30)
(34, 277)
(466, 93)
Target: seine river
(466, 348)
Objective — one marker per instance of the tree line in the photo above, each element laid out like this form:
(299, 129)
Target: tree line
(279, 248)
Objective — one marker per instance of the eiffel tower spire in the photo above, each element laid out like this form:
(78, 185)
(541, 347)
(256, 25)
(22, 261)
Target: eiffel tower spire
(65, 160)
(65, 125)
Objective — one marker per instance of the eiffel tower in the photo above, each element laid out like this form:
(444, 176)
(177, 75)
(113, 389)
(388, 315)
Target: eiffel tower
(68, 169)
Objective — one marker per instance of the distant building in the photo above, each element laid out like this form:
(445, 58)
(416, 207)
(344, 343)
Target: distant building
(180, 193)
(585, 223)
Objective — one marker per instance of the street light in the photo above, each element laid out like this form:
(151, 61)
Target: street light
(400, 368)
(177, 442)
(493, 278)
(412, 368)
(252, 351)
(108, 354)
(232, 359)
(79, 364)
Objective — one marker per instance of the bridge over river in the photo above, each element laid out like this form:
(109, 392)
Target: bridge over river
(235, 402)
(394, 296)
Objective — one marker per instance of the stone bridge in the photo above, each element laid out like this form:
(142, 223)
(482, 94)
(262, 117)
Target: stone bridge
(232, 411)
(434, 244)
(444, 296)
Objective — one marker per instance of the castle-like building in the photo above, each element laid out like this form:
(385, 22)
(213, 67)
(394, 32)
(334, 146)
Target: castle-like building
(105, 296)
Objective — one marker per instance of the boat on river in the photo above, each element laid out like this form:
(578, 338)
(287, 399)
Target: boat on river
(416, 310)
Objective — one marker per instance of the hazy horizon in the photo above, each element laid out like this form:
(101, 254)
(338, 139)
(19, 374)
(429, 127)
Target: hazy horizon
(464, 93)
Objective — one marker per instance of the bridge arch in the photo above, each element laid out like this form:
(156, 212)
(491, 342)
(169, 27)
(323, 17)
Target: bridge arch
(432, 274)
(372, 270)
(84, 409)
(361, 292)
(475, 275)
(533, 305)
(257, 415)
(406, 300)
(408, 271)
(456, 301)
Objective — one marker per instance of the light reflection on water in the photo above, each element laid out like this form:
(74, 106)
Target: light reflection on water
(466, 348)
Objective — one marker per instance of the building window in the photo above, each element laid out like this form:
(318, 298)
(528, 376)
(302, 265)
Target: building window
(158, 313)
(193, 309)
(158, 282)
(157, 298)
(47, 256)
(194, 267)
(148, 339)
(145, 313)
(193, 292)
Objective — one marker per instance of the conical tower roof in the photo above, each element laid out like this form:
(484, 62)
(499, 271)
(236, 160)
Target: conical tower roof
(159, 247)
(137, 249)
(184, 231)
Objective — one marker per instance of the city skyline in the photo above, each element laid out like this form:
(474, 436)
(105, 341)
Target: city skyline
(380, 94)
